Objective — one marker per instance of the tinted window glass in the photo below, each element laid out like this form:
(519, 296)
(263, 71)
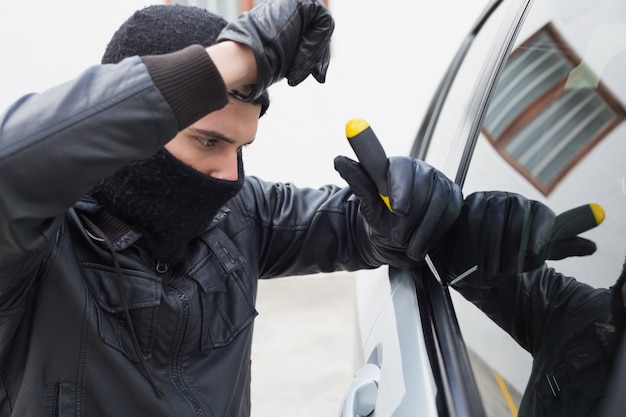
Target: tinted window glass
(448, 140)
(555, 132)
(572, 130)
(549, 109)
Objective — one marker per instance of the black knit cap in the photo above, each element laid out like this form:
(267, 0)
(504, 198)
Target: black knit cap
(162, 29)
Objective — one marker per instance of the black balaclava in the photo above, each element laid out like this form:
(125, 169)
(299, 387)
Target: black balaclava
(168, 201)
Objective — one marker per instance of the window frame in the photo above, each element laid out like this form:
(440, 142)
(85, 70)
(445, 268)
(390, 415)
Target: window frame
(452, 371)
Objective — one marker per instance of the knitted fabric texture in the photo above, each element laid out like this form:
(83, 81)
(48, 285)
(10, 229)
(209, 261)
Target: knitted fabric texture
(162, 29)
(167, 201)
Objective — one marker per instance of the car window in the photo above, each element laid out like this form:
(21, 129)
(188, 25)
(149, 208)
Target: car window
(555, 128)
(445, 149)
(498, 384)
(554, 131)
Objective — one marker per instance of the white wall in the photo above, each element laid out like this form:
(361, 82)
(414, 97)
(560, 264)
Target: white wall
(386, 64)
(43, 43)
(387, 59)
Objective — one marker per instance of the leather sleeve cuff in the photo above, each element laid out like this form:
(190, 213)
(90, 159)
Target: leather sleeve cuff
(189, 81)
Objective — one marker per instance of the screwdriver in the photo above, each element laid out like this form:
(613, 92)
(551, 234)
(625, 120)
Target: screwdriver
(370, 154)
(373, 159)
(576, 220)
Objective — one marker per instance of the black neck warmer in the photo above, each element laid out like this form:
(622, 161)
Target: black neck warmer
(167, 201)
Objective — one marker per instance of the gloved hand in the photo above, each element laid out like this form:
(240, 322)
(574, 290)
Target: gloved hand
(425, 205)
(290, 38)
(505, 234)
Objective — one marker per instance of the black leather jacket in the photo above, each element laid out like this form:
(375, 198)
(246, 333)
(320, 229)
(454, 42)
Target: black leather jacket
(566, 326)
(65, 347)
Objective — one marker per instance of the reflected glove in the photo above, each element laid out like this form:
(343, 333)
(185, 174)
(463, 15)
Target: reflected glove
(290, 39)
(425, 205)
(505, 234)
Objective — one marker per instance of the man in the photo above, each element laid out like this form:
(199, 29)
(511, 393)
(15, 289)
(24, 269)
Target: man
(130, 240)
(571, 329)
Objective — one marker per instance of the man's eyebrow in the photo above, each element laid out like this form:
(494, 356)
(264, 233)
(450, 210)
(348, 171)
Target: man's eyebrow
(212, 134)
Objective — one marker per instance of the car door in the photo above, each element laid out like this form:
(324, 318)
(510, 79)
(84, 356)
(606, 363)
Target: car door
(532, 103)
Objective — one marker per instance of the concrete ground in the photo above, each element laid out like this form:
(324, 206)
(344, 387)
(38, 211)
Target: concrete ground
(499, 398)
(303, 350)
(302, 356)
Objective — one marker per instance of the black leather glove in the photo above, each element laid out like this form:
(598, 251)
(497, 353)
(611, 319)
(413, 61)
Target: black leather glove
(505, 234)
(290, 39)
(425, 205)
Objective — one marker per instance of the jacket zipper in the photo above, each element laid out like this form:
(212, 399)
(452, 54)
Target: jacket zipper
(175, 368)
(161, 267)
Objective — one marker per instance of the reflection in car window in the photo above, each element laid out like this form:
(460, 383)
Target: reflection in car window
(564, 146)
(555, 132)
(549, 109)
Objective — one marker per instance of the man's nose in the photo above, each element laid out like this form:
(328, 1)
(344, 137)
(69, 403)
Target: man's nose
(227, 168)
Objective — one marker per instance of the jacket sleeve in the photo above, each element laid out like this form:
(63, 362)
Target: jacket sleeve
(56, 145)
(306, 230)
(534, 304)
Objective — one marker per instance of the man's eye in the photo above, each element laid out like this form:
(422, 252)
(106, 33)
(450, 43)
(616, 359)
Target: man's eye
(207, 142)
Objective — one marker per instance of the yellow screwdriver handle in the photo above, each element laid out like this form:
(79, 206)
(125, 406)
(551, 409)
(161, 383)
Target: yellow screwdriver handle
(370, 154)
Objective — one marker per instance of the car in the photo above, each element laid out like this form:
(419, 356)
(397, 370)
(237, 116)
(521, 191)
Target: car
(533, 102)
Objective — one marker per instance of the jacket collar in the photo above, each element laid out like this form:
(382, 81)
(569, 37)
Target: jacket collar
(120, 233)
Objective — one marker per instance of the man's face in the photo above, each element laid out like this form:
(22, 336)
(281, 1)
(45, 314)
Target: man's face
(212, 143)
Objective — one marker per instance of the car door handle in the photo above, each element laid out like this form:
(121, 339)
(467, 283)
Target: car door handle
(360, 399)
